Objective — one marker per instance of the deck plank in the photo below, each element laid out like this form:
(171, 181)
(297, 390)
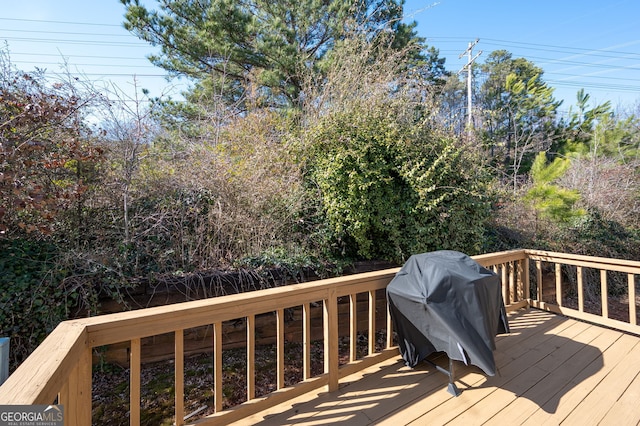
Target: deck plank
(547, 387)
(625, 410)
(596, 405)
(582, 385)
(498, 391)
(551, 369)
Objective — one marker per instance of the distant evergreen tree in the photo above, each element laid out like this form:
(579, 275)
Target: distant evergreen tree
(551, 200)
(262, 48)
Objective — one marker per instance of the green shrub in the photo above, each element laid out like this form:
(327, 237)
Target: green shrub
(32, 301)
(392, 186)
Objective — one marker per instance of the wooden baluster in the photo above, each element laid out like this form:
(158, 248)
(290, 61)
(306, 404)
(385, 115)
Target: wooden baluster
(559, 284)
(306, 341)
(389, 328)
(580, 283)
(280, 349)
(539, 279)
(372, 322)
(504, 283)
(604, 293)
(353, 326)
(525, 278)
(251, 357)
(217, 366)
(512, 283)
(134, 382)
(632, 299)
(179, 377)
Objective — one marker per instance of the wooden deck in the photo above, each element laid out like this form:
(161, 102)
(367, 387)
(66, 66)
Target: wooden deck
(552, 370)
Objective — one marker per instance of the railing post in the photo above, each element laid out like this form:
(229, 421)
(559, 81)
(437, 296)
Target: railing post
(330, 319)
(75, 396)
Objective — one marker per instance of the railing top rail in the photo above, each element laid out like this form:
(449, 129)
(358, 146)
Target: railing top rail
(631, 266)
(500, 257)
(113, 328)
(47, 368)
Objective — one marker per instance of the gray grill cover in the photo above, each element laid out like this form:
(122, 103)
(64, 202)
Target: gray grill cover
(444, 301)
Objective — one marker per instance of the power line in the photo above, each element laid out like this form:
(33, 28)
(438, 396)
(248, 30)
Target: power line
(87, 65)
(43, 21)
(604, 86)
(66, 33)
(536, 46)
(128, 58)
(593, 76)
(91, 42)
(108, 40)
(588, 65)
(576, 50)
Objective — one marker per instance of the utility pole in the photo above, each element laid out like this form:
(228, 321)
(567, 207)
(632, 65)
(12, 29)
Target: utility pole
(470, 60)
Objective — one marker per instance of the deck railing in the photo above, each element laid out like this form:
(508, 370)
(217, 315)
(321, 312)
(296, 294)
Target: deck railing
(568, 272)
(60, 369)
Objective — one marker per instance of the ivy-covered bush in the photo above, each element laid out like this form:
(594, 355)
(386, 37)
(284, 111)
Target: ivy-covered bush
(32, 299)
(391, 185)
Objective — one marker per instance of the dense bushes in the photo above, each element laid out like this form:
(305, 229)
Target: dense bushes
(33, 299)
(391, 185)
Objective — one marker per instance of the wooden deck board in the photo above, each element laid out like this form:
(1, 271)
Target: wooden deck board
(544, 390)
(625, 410)
(551, 370)
(574, 392)
(596, 405)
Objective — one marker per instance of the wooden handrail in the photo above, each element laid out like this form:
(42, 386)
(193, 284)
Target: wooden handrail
(42, 375)
(581, 263)
(60, 367)
(604, 263)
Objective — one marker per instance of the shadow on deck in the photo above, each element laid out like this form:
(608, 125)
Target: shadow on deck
(551, 370)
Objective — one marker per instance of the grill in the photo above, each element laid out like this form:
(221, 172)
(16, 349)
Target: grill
(444, 301)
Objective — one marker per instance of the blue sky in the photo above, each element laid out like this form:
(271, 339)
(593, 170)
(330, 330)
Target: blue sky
(589, 44)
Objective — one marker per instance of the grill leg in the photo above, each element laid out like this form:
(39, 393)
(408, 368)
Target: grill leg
(452, 388)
